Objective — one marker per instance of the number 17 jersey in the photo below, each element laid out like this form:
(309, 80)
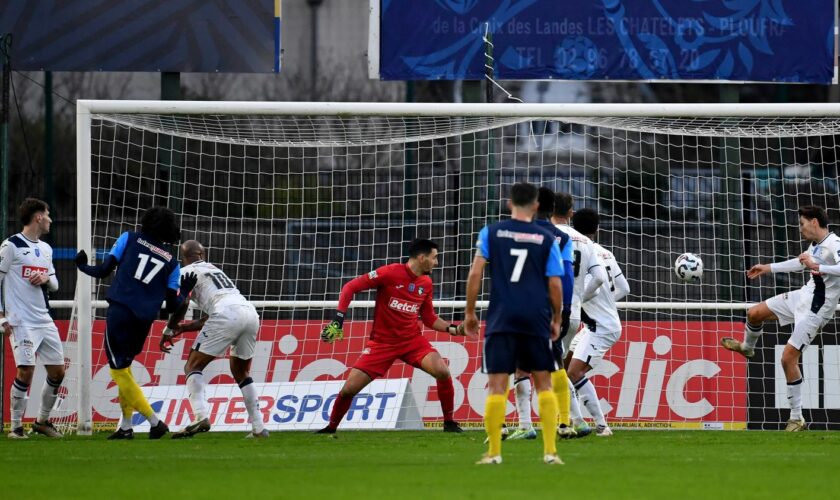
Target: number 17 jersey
(213, 288)
(145, 269)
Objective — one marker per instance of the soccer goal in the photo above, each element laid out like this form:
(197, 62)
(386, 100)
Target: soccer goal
(294, 199)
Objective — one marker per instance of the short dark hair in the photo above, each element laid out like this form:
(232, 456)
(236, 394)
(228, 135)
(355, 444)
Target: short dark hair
(522, 194)
(546, 198)
(563, 202)
(160, 224)
(586, 221)
(421, 246)
(30, 207)
(814, 212)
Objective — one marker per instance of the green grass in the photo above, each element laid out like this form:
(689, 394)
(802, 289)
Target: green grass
(431, 464)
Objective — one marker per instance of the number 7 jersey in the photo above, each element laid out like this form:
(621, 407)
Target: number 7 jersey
(213, 288)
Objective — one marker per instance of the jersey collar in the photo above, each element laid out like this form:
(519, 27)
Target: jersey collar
(826, 237)
(27, 239)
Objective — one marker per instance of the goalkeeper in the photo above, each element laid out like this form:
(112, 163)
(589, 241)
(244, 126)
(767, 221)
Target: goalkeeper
(403, 293)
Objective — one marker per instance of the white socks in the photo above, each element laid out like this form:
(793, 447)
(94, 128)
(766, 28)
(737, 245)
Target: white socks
(794, 395)
(574, 405)
(589, 397)
(249, 392)
(195, 386)
(522, 390)
(752, 334)
(18, 402)
(49, 393)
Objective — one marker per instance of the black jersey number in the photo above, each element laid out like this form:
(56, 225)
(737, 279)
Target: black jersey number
(221, 281)
(610, 278)
(577, 263)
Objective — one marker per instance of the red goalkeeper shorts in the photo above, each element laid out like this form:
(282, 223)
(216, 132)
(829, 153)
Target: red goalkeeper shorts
(377, 357)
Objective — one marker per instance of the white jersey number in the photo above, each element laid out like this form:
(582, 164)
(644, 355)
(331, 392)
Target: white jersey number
(521, 254)
(141, 267)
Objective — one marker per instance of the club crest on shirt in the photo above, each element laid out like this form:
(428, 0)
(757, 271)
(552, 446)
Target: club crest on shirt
(411, 287)
(37, 252)
(372, 275)
(420, 291)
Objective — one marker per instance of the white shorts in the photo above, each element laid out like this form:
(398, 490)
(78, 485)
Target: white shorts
(590, 347)
(232, 326)
(574, 326)
(795, 307)
(43, 340)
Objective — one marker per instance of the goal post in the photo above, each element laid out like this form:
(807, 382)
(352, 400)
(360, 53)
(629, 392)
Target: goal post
(294, 199)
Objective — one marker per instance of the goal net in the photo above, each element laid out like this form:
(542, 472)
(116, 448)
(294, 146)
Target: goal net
(292, 200)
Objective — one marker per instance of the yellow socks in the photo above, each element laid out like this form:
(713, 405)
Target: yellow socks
(560, 385)
(130, 394)
(494, 417)
(548, 419)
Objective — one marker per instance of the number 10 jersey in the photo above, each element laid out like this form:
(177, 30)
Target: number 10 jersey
(213, 288)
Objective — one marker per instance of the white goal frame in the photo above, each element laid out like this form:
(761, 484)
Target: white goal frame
(86, 108)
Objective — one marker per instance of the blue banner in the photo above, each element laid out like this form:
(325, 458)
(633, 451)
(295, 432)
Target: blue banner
(738, 40)
(230, 36)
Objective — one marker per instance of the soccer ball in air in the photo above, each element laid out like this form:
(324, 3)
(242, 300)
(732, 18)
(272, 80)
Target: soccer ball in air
(689, 268)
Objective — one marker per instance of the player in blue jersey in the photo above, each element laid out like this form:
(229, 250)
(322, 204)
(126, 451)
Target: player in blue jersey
(559, 379)
(524, 316)
(147, 274)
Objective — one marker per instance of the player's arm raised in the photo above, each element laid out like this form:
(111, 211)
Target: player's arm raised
(107, 266)
(334, 330)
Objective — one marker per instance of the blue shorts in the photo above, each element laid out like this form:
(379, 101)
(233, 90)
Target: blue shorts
(505, 352)
(125, 335)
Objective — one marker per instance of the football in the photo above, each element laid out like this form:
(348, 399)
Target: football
(688, 268)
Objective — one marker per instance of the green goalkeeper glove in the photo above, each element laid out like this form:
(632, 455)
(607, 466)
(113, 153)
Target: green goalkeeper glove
(334, 331)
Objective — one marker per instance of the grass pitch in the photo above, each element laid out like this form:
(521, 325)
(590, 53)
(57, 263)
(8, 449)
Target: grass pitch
(427, 465)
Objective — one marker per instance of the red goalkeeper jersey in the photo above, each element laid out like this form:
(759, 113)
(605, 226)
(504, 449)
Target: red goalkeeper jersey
(401, 299)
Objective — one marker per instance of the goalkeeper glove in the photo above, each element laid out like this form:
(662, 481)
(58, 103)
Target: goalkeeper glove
(456, 330)
(334, 331)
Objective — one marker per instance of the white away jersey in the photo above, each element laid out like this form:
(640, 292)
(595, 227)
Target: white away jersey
(213, 288)
(602, 308)
(23, 303)
(826, 252)
(585, 259)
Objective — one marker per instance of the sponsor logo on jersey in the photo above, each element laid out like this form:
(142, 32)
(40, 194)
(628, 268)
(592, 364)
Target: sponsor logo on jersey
(28, 271)
(402, 306)
(372, 275)
(534, 238)
(155, 249)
